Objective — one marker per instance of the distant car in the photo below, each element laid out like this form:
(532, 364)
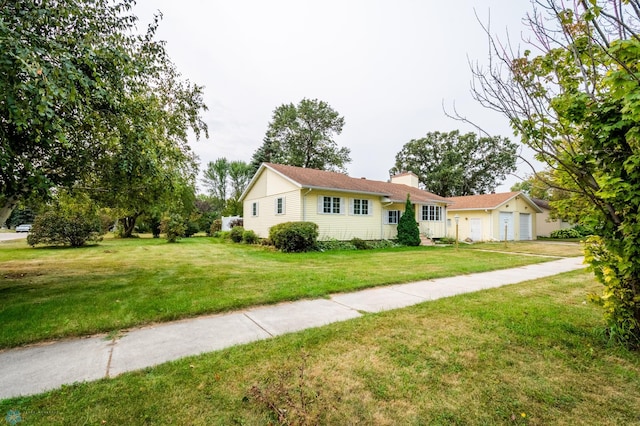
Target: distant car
(23, 228)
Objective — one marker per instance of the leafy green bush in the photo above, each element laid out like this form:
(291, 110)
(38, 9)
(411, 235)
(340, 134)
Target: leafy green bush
(225, 235)
(236, 234)
(294, 236)
(173, 227)
(65, 228)
(579, 231)
(333, 244)
(360, 244)
(216, 226)
(250, 237)
(191, 228)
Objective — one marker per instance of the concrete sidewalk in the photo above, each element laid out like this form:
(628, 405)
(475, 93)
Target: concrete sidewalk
(38, 368)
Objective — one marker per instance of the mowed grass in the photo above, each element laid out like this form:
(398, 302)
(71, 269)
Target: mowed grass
(531, 353)
(545, 248)
(51, 293)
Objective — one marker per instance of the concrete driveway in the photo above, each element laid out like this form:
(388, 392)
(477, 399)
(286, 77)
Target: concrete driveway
(9, 236)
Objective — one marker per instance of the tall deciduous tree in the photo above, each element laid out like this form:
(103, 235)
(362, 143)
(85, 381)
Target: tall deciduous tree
(87, 102)
(216, 178)
(149, 167)
(454, 164)
(574, 97)
(303, 135)
(63, 72)
(226, 180)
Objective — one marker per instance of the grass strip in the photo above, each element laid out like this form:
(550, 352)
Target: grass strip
(52, 293)
(530, 353)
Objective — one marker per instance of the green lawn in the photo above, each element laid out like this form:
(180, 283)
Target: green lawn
(531, 353)
(50, 293)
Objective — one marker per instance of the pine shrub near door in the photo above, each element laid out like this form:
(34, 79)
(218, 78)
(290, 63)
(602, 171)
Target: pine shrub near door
(408, 231)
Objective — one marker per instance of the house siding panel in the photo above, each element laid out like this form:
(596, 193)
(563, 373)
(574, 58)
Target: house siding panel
(346, 225)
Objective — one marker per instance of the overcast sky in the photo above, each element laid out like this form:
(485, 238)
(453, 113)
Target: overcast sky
(386, 66)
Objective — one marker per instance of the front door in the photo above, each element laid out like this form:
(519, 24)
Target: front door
(475, 232)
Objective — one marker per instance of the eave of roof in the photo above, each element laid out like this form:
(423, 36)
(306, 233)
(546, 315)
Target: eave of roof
(333, 181)
(488, 201)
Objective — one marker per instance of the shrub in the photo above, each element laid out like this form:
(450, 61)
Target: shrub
(216, 226)
(60, 227)
(408, 230)
(191, 228)
(294, 236)
(173, 227)
(236, 234)
(360, 244)
(250, 237)
(326, 245)
(565, 233)
(225, 235)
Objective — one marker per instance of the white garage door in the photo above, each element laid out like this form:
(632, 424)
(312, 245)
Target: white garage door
(506, 218)
(525, 226)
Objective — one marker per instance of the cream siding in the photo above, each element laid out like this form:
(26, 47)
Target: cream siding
(302, 204)
(345, 225)
(266, 190)
(492, 227)
(545, 225)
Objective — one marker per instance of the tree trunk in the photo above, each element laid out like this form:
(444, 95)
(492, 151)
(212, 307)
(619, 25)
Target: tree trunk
(7, 208)
(128, 225)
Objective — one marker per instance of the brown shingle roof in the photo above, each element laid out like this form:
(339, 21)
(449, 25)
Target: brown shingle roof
(320, 179)
(484, 201)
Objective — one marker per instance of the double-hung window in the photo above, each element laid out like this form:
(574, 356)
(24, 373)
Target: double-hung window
(360, 207)
(432, 213)
(330, 205)
(393, 216)
(279, 205)
(254, 209)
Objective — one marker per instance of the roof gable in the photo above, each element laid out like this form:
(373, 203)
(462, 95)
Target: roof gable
(321, 179)
(488, 201)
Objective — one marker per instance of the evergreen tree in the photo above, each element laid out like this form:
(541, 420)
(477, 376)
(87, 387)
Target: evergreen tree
(408, 231)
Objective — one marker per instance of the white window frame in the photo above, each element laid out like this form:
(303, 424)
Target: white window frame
(431, 213)
(254, 209)
(333, 202)
(387, 217)
(279, 206)
(361, 207)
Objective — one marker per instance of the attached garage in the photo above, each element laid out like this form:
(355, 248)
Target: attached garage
(525, 226)
(488, 217)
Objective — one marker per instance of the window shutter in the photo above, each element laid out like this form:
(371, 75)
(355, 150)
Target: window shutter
(352, 203)
(320, 204)
(284, 206)
(342, 206)
(385, 217)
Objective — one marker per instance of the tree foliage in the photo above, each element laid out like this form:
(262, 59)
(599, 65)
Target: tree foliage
(454, 164)
(303, 135)
(408, 230)
(87, 102)
(226, 181)
(574, 97)
(63, 72)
